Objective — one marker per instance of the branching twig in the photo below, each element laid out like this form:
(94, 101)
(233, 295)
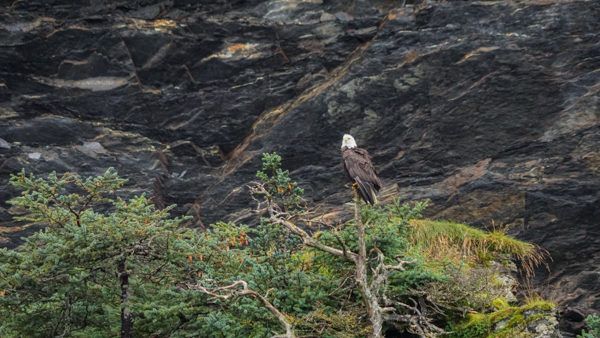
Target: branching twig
(309, 241)
(233, 290)
(372, 286)
(278, 217)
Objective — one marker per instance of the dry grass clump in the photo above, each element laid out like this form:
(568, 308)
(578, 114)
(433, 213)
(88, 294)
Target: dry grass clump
(455, 242)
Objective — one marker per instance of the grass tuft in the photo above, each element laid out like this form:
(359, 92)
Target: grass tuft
(449, 240)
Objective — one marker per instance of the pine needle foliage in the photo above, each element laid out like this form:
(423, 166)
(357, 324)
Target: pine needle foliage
(592, 323)
(67, 279)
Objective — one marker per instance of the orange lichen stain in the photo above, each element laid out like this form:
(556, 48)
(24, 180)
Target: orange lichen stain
(237, 51)
(476, 52)
(161, 25)
(164, 24)
(411, 56)
(396, 13)
(239, 48)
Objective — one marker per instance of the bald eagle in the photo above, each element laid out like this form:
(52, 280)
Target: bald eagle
(359, 169)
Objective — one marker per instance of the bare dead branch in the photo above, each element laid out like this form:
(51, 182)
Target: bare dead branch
(309, 241)
(233, 290)
(280, 217)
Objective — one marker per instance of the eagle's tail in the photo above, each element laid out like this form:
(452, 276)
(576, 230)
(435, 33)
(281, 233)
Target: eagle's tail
(366, 191)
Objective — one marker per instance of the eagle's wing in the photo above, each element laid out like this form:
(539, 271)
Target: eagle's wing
(359, 168)
(358, 163)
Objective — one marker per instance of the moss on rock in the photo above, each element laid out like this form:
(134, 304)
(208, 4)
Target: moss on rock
(534, 319)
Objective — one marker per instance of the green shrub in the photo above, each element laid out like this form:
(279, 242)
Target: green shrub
(593, 327)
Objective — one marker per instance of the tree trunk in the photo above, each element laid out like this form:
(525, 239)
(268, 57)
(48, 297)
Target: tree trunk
(362, 278)
(126, 316)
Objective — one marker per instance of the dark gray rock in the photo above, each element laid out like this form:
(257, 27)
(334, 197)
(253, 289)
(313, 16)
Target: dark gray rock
(490, 109)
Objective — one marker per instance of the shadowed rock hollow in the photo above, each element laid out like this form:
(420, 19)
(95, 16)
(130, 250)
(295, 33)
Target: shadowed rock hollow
(489, 109)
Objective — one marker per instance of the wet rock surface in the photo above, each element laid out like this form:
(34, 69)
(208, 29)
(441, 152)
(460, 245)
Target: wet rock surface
(489, 109)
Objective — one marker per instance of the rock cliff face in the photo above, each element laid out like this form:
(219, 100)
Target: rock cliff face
(489, 109)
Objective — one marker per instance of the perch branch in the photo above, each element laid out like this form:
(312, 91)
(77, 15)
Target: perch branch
(279, 217)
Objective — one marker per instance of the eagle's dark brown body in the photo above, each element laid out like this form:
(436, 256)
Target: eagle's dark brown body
(359, 168)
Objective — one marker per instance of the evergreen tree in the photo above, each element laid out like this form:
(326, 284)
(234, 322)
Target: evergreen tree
(97, 262)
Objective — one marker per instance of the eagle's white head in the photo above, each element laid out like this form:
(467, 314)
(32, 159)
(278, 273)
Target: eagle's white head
(348, 141)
